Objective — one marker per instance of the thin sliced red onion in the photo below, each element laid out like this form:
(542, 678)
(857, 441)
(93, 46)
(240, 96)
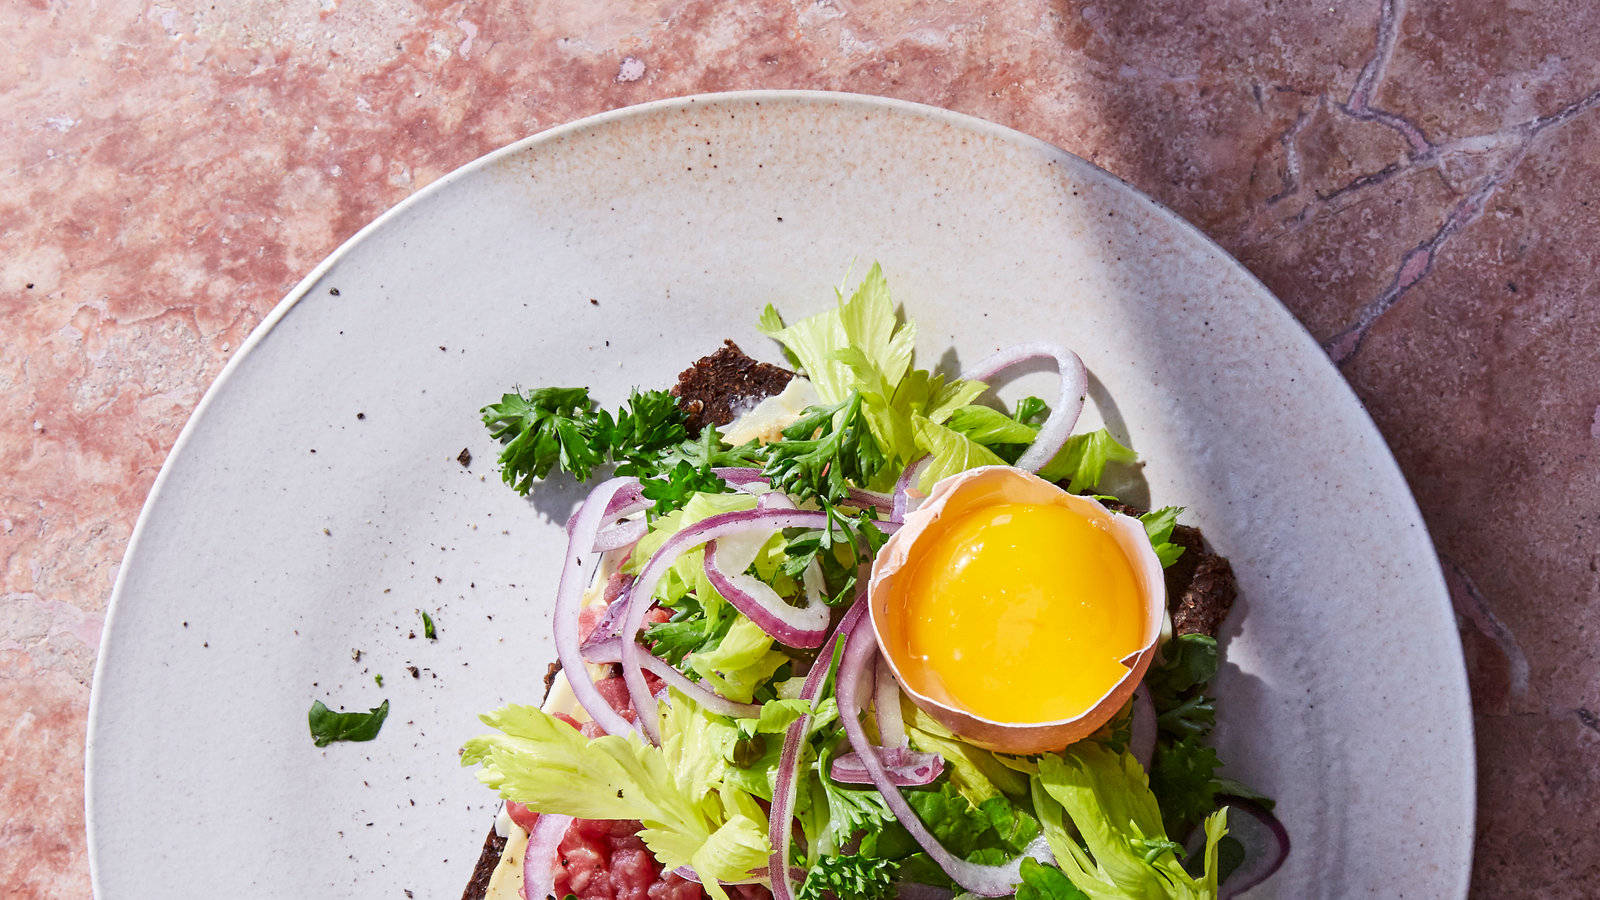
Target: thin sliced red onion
(1057, 426)
(864, 498)
(623, 534)
(569, 597)
(988, 881)
(609, 650)
(781, 814)
(902, 489)
(708, 529)
(886, 704)
(616, 606)
(627, 501)
(906, 767)
(688, 874)
(743, 478)
(1142, 730)
(539, 860)
(1265, 840)
(795, 626)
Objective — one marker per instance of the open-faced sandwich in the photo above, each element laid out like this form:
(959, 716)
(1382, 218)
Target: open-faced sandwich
(844, 630)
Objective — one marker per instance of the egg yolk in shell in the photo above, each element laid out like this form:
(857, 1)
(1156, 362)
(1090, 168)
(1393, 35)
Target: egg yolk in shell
(1016, 612)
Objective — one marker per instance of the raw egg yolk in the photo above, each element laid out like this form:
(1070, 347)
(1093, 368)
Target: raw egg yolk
(1017, 612)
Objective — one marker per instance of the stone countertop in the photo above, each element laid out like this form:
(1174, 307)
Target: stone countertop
(1419, 183)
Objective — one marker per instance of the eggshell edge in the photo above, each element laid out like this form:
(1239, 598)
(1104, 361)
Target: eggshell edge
(984, 486)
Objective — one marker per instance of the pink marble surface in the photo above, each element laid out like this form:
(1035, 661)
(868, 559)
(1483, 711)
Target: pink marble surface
(1420, 183)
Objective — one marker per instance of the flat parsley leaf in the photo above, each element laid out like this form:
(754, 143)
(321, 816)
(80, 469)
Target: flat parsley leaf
(1158, 525)
(328, 726)
(551, 427)
(1183, 778)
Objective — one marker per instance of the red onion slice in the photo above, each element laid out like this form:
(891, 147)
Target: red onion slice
(781, 813)
(540, 859)
(1142, 730)
(906, 767)
(1057, 427)
(796, 626)
(871, 499)
(1265, 840)
(610, 651)
(742, 478)
(886, 705)
(623, 534)
(638, 598)
(902, 489)
(988, 881)
(569, 597)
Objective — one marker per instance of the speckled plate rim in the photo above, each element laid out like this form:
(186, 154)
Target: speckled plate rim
(1387, 465)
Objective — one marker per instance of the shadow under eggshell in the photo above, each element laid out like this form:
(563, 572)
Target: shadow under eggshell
(988, 486)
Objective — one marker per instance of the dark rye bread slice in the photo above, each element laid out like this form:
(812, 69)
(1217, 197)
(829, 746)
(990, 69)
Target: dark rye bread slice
(719, 388)
(713, 391)
(1200, 584)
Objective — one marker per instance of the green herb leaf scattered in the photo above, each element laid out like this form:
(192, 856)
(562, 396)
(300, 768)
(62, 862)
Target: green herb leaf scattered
(1158, 524)
(328, 726)
(428, 631)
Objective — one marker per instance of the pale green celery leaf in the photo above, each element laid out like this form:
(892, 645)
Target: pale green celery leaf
(776, 716)
(893, 421)
(871, 324)
(740, 663)
(545, 763)
(1216, 829)
(1082, 460)
(697, 744)
(989, 426)
(947, 397)
(1106, 798)
(977, 774)
(862, 346)
(866, 322)
(951, 452)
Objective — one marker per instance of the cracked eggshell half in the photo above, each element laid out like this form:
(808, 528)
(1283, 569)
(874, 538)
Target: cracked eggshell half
(950, 501)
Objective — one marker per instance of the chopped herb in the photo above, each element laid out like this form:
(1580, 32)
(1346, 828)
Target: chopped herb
(1158, 524)
(563, 428)
(328, 726)
(824, 452)
(378, 679)
(428, 631)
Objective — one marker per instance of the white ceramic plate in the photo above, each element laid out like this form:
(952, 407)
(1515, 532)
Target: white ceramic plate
(314, 502)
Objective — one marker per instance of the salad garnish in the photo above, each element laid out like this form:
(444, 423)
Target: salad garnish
(328, 726)
(712, 621)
